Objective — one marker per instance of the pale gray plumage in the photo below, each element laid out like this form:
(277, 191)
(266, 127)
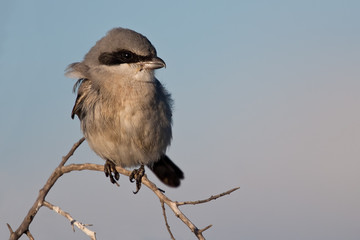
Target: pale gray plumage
(125, 112)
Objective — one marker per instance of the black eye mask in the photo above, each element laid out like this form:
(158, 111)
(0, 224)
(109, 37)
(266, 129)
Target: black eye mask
(121, 56)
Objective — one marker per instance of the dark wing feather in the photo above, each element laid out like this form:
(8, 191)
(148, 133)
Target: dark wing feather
(83, 85)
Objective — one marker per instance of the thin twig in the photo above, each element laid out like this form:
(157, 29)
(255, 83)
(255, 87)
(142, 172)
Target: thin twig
(73, 222)
(208, 199)
(165, 218)
(71, 152)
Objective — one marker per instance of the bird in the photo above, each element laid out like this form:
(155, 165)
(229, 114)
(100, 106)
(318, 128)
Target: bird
(125, 112)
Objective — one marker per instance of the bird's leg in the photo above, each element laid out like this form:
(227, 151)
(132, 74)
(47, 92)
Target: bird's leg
(111, 172)
(137, 175)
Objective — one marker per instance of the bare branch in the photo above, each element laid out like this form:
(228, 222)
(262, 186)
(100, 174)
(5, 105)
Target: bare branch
(166, 222)
(62, 169)
(73, 222)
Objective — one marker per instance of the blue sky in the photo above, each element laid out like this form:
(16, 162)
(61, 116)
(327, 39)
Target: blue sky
(266, 98)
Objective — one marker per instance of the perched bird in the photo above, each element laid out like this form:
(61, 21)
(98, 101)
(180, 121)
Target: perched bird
(124, 111)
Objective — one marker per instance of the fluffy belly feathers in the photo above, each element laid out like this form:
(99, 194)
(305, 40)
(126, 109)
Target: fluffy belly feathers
(138, 134)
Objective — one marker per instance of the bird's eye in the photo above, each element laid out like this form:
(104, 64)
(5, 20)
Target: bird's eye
(118, 57)
(126, 55)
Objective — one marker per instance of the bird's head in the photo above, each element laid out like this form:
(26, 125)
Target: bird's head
(121, 51)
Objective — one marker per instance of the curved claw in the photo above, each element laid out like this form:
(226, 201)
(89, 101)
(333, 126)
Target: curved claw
(111, 172)
(137, 175)
(132, 176)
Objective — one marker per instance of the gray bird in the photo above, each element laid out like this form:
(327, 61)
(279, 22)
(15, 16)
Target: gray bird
(124, 111)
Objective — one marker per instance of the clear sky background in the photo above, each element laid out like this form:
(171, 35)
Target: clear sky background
(266, 98)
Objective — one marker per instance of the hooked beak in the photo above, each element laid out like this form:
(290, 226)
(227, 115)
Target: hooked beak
(154, 63)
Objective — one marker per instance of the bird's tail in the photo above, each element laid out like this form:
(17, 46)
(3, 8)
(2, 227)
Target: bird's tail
(167, 171)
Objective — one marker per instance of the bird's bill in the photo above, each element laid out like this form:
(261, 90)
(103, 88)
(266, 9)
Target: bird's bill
(154, 63)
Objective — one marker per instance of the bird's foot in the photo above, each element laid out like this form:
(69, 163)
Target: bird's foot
(111, 172)
(137, 175)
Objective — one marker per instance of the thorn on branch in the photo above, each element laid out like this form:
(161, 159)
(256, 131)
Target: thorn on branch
(205, 228)
(10, 229)
(30, 236)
